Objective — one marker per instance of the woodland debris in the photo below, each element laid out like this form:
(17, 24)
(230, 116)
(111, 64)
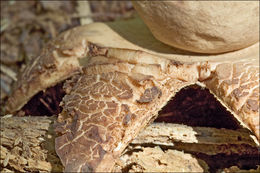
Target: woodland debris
(154, 159)
(27, 25)
(8, 71)
(83, 9)
(210, 141)
(27, 144)
(235, 169)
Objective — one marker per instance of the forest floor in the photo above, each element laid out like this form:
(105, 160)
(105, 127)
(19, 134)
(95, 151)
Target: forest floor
(26, 26)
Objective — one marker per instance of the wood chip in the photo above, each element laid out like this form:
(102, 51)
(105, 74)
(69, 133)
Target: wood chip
(8, 71)
(5, 87)
(4, 25)
(6, 160)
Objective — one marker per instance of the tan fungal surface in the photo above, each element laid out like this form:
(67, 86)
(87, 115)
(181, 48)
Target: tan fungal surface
(202, 26)
(104, 111)
(58, 61)
(121, 85)
(237, 85)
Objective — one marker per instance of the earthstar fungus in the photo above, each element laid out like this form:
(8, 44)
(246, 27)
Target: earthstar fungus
(118, 87)
(202, 26)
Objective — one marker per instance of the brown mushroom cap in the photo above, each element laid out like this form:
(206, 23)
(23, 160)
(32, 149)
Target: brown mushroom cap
(201, 26)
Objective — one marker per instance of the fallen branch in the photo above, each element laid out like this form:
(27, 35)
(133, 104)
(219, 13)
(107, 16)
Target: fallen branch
(27, 144)
(205, 140)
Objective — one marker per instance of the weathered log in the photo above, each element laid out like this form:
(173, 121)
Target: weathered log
(27, 144)
(210, 141)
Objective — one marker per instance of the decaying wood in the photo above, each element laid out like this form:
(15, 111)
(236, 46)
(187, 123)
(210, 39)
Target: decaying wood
(27, 144)
(235, 169)
(154, 159)
(210, 141)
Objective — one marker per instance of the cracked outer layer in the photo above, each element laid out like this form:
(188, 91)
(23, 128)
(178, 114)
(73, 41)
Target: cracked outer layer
(58, 61)
(122, 86)
(104, 111)
(111, 102)
(237, 86)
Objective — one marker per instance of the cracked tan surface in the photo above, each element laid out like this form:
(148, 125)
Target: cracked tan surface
(103, 112)
(57, 62)
(122, 85)
(237, 85)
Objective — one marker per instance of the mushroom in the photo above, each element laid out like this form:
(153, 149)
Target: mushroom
(121, 78)
(199, 26)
